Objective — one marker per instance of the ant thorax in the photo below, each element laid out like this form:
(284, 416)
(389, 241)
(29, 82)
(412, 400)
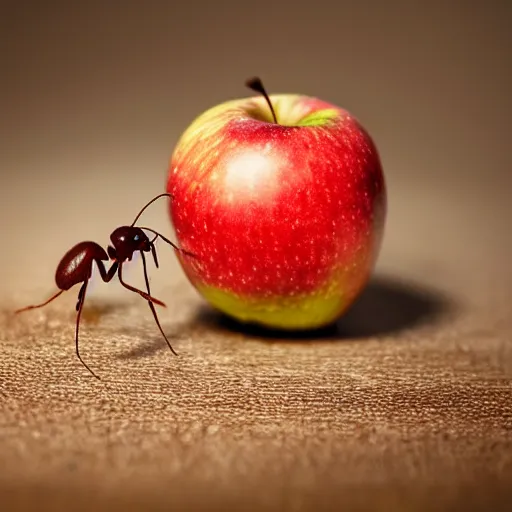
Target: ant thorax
(127, 240)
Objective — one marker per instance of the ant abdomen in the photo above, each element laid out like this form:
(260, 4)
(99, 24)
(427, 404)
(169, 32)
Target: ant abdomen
(76, 265)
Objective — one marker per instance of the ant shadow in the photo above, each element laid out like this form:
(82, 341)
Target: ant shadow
(147, 346)
(94, 310)
(141, 351)
(386, 307)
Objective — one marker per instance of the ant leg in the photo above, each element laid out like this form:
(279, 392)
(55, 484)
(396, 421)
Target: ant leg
(155, 258)
(107, 276)
(140, 292)
(151, 305)
(80, 297)
(111, 252)
(53, 297)
(80, 305)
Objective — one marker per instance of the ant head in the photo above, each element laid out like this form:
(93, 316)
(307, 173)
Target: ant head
(128, 239)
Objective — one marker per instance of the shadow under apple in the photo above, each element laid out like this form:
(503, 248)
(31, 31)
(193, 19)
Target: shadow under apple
(387, 306)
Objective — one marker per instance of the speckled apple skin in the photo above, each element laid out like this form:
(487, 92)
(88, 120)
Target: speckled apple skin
(286, 221)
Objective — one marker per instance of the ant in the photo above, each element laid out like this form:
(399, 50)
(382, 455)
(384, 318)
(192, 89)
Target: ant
(76, 267)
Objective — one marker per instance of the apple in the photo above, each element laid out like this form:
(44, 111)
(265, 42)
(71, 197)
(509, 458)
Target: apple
(282, 199)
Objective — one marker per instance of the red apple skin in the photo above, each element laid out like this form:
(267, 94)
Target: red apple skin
(286, 221)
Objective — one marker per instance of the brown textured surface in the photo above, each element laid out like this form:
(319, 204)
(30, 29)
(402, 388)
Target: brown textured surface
(406, 405)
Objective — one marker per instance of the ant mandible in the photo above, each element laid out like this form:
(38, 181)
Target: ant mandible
(76, 267)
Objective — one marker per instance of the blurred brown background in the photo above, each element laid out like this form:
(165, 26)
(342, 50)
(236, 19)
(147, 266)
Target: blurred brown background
(406, 406)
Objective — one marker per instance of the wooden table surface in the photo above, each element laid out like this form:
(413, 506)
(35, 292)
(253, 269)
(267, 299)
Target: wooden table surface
(405, 404)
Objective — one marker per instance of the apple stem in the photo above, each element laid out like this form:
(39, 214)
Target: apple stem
(256, 84)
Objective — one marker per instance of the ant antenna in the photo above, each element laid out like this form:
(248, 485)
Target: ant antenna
(159, 235)
(150, 202)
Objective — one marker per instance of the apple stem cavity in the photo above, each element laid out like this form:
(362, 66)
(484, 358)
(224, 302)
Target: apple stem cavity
(256, 85)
